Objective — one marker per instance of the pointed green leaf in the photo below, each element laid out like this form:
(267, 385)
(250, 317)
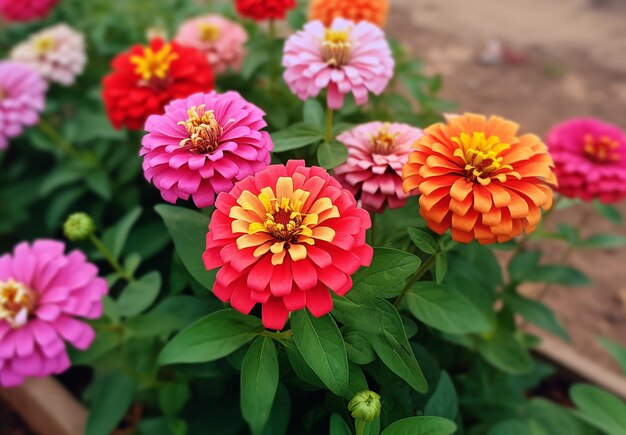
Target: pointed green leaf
(421, 426)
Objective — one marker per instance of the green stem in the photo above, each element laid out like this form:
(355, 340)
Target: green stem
(54, 135)
(110, 259)
(272, 30)
(359, 425)
(430, 261)
(329, 124)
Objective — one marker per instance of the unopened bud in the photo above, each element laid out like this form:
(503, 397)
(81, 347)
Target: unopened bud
(79, 226)
(365, 406)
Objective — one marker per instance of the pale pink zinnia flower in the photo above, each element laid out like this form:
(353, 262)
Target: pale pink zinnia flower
(42, 290)
(344, 58)
(203, 144)
(590, 159)
(26, 10)
(221, 39)
(22, 98)
(57, 53)
(377, 152)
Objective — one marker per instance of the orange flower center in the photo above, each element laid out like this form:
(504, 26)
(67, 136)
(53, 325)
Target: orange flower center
(204, 130)
(481, 156)
(274, 221)
(601, 149)
(208, 32)
(44, 44)
(336, 47)
(154, 65)
(16, 302)
(385, 141)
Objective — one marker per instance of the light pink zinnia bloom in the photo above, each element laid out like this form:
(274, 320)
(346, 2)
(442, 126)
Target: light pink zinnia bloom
(26, 10)
(57, 53)
(22, 98)
(42, 290)
(203, 144)
(377, 152)
(590, 159)
(344, 58)
(221, 39)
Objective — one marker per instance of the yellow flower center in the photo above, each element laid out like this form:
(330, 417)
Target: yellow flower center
(385, 141)
(154, 64)
(336, 47)
(601, 149)
(204, 130)
(44, 44)
(481, 156)
(274, 221)
(208, 32)
(16, 302)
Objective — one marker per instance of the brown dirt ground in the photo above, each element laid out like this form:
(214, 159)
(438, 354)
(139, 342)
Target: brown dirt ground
(571, 68)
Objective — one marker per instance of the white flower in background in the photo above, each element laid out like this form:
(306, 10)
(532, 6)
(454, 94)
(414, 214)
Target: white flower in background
(57, 53)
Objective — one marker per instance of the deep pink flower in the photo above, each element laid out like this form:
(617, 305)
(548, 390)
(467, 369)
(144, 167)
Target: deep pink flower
(22, 98)
(344, 58)
(590, 159)
(282, 238)
(26, 10)
(221, 39)
(376, 154)
(203, 144)
(42, 290)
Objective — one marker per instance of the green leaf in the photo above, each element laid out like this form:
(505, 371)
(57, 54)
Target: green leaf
(253, 60)
(153, 325)
(298, 136)
(281, 411)
(537, 313)
(444, 401)
(104, 342)
(139, 295)
(523, 265)
(98, 181)
(358, 348)
(115, 237)
(558, 274)
(604, 241)
(608, 212)
(331, 154)
(505, 352)
(516, 427)
(314, 114)
(445, 309)
(617, 351)
(338, 425)
(188, 229)
(599, 408)
(441, 267)
(113, 397)
(423, 240)
(421, 426)
(555, 419)
(259, 381)
(172, 398)
(211, 338)
(322, 347)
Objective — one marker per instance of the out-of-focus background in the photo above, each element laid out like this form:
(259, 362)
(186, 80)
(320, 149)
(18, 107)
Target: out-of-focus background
(538, 62)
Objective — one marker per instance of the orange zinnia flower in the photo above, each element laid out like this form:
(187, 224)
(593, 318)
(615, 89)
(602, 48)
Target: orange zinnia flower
(374, 11)
(477, 177)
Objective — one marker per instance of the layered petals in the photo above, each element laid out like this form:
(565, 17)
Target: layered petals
(374, 11)
(261, 10)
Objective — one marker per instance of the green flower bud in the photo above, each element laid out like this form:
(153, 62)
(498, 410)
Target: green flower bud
(79, 226)
(365, 406)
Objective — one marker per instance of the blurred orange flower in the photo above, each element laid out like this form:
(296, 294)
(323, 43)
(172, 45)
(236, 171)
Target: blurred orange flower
(477, 177)
(374, 11)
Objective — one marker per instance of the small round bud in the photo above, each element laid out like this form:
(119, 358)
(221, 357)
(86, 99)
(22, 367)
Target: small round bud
(79, 226)
(365, 406)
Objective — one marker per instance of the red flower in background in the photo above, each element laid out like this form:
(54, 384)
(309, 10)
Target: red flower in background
(146, 78)
(26, 10)
(260, 10)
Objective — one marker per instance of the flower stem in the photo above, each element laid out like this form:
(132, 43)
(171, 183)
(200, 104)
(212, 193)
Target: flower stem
(359, 425)
(54, 135)
(426, 265)
(329, 124)
(272, 30)
(110, 259)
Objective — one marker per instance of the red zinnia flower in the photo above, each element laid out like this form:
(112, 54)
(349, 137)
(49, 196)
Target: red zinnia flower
(145, 79)
(260, 10)
(282, 238)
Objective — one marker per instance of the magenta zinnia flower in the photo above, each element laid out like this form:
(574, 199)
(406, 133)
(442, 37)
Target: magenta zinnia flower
(220, 39)
(590, 159)
(41, 292)
(26, 10)
(373, 171)
(22, 98)
(344, 58)
(203, 144)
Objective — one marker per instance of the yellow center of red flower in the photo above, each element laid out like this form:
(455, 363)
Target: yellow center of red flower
(601, 149)
(336, 47)
(274, 221)
(204, 130)
(44, 44)
(385, 141)
(16, 302)
(154, 64)
(481, 156)
(208, 32)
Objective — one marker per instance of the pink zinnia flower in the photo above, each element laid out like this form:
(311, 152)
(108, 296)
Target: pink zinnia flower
(57, 53)
(282, 238)
(590, 159)
(22, 98)
(42, 290)
(344, 58)
(203, 144)
(221, 39)
(26, 10)
(376, 154)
